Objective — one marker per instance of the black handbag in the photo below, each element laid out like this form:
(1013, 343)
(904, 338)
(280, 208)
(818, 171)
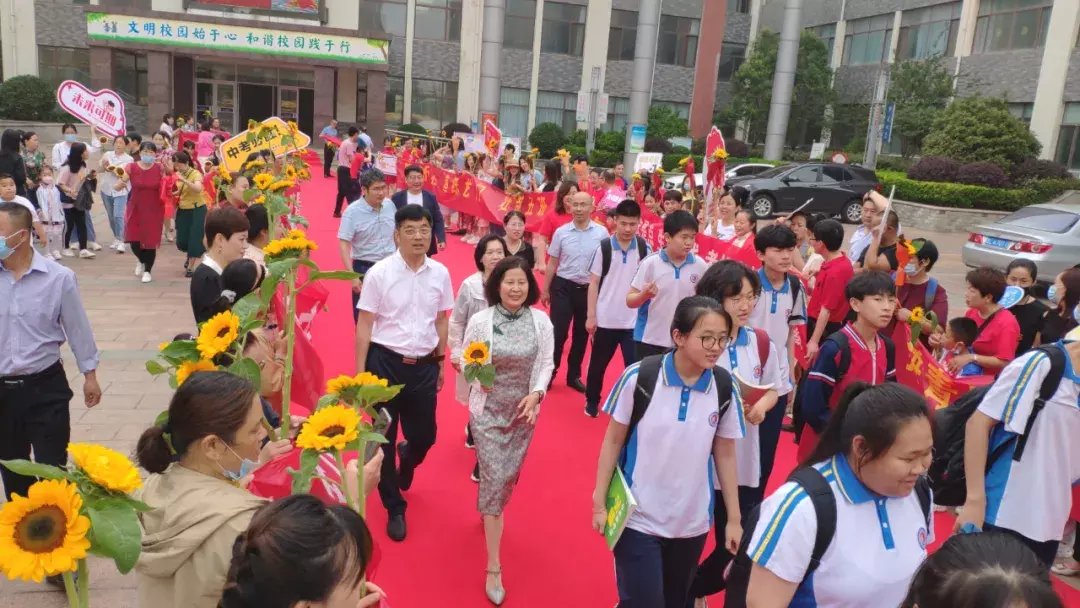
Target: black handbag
(85, 198)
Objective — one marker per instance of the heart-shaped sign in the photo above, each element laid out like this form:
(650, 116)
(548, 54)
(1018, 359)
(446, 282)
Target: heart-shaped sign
(102, 109)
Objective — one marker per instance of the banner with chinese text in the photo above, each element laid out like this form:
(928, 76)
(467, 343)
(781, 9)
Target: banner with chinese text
(917, 369)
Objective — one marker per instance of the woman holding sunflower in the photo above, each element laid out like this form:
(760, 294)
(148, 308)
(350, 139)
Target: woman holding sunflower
(190, 212)
(518, 341)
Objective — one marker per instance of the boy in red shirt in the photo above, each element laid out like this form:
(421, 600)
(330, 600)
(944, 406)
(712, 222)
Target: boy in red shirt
(828, 305)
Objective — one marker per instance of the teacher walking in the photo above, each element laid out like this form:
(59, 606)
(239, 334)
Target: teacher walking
(145, 213)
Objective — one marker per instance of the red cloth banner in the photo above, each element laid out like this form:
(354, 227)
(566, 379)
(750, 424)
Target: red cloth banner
(917, 369)
(308, 374)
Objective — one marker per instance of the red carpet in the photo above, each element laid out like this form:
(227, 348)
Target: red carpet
(550, 555)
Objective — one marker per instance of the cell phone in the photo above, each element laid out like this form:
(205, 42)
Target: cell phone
(379, 425)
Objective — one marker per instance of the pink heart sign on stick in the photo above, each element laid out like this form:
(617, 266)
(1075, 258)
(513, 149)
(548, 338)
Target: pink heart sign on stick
(102, 109)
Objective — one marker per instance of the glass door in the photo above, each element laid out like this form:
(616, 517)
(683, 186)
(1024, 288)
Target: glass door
(219, 99)
(289, 103)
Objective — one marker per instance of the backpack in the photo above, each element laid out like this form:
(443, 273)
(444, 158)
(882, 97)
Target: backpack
(649, 372)
(606, 250)
(931, 293)
(947, 467)
(824, 503)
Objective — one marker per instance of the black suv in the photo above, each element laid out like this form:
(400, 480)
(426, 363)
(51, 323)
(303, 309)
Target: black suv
(836, 189)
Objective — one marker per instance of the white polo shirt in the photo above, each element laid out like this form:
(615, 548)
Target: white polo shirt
(742, 356)
(673, 283)
(778, 312)
(406, 303)
(878, 545)
(1033, 497)
(611, 309)
(668, 457)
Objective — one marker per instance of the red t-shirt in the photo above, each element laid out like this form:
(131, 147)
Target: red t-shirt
(551, 222)
(999, 337)
(831, 283)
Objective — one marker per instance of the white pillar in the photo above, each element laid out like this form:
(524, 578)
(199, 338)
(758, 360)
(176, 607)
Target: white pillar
(755, 22)
(838, 44)
(345, 110)
(490, 56)
(410, 29)
(18, 41)
(597, 31)
(965, 33)
(472, 14)
(894, 40)
(787, 59)
(648, 32)
(1046, 113)
(534, 70)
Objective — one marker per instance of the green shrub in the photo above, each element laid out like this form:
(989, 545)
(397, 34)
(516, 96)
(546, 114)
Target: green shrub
(605, 158)
(577, 138)
(575, 150)
(547, 137)
(26, 98)
(680, 150)
(611, 141)
(981, 129)
(412, 127)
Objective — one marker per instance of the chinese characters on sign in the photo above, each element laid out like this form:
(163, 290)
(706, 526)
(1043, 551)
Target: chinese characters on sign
(225, 37)
(267, 136)
(102, 109)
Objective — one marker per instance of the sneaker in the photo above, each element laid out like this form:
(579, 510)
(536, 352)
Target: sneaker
(93, 246)
(87, 254)
(138, 269)
(56, 256)
(114, 244)
(475, 475)
(68, 253)
(120, 248)
(146, 278)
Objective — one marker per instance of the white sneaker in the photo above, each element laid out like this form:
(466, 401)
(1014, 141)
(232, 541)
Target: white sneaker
(87, 254)
(146, 278)
(56, 255)
(138, 269)
(114, 244)
(68, 253)
(120, 248)
(94, 246)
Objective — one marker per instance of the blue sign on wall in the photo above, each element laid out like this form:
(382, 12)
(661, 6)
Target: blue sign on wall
(886, 131)
(637, 139)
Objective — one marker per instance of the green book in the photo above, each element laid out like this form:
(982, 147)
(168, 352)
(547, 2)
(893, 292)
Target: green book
(621, 504)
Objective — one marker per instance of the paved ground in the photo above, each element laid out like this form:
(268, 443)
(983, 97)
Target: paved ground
(130, 319)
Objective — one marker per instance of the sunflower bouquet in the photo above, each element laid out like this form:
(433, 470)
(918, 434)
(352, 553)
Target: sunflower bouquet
(218, 346)
(478, 366)
(916, 319)
(82, 508)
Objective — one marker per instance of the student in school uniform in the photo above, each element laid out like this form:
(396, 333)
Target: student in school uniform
(753, 358)
(663, 279)
(1029, 498)
(872, 455)
(609, 320)
(668, 454)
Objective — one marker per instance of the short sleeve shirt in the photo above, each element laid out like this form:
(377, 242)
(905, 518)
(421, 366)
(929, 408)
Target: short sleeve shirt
(673, 283)
(574, 249)
(611, 309)
(999, 337)
(370, 231)
(829, 292)
(742, 358)
(406, 303)
(668, 457)
(778, 312)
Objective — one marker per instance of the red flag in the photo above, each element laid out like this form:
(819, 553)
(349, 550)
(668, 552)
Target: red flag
(690, 177)
(714, 169)
(492, 138)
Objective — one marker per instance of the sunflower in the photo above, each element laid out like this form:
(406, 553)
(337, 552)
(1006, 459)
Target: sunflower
(685, 161)
(43, 534)
(281, 184)
(252, 123)
(224, 174)
(163, 346)
(304, 174)
(476, 352)
(290, 172)
(720, 154)
(635, 176)
(218, 334)
(262, 181)
(342, 384)
(917, 315)
(330, 428)
(293, 128)
(369, 379)
(562, 153)
(289, 246)
(190, 367)
(107, 468)
(258, 162)
(258, 200)
(659, 171)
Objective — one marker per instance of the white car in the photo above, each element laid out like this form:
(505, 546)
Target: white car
(675, 181)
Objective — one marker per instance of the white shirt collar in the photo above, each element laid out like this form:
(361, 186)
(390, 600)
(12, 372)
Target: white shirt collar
(209, 262)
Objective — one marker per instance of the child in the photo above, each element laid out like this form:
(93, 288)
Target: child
(959, 333)
(663, 279)
(672, 202)
(828, 307)
(8, 195)
(856, 353)
(52, 213)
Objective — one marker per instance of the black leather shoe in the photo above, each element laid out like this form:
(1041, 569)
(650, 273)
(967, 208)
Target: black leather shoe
(337, 214)
(592, 410)
(395, 528)
(576, 384)
(405, 469)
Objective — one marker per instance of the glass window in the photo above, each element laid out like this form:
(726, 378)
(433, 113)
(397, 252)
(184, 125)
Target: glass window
(804, 174)
(732, 55)
(564, 29)
(1042, 219)
(827, 33)
(831, 174)
(59, 63)
(623, 35)
(738, 6)
(395, 100)
(1022, 111)
(678, 40)
(1005, 25)
(514, 111)
(438, 20)
(867, 40)
(618, 113)
(559, 108)
(682, 109)
(434, 103)
(384, 15)
(130, 75)
(929, 32)
(519, 24)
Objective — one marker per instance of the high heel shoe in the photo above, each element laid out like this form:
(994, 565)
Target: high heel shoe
(497, 594)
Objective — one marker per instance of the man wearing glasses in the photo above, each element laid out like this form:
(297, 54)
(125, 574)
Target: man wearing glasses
(366, 233)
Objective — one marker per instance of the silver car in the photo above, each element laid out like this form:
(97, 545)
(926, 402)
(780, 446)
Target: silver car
(1047, 234)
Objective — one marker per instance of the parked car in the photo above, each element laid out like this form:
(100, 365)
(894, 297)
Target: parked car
(1047, 234)
(836, 189)
(675, 181)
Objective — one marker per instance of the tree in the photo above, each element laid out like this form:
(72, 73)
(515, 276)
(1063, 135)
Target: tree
(547, 137)
(666, 123)
(981, 129)
(753, 82)
(921, 91)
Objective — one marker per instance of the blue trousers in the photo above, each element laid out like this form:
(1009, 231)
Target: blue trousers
(655, 572)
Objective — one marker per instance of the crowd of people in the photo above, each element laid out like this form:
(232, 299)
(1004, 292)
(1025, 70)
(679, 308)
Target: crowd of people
(718, 358)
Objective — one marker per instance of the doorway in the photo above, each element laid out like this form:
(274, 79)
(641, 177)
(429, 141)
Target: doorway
(219, 99)
(257, 102)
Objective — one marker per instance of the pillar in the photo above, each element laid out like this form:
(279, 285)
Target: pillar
(472, 22)
(783, 81)
(324, 98)
(594, 51)
(648, 27)
(101, 68)
(490, 56)
(376, 106)
(965, 32)
(1046, 113)
(346, 109)
(706, 65)
(158, 86)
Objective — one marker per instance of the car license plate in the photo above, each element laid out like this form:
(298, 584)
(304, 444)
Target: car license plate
(999, 243)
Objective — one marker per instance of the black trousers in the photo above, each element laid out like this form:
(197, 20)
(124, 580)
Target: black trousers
(644, 349)
(75, 218)
(327, 159)
(361, 267)
(604, 343)
(145, 256)
(655, 572)
(569, 302)
(34, 415)
(346, 188)
(710, 574)
(412, 410)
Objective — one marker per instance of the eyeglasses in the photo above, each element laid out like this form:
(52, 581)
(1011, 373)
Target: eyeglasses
(415, 232)
(743, 299)
(711, 342)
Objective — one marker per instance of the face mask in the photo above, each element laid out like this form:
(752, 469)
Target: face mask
(69, 137)
(911, 268)
(5, 249)
(246, 467)
(47, 180)
(147, 158)
(1052, 295)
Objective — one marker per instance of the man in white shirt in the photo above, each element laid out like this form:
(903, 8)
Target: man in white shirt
(401, 336)
(414, 194)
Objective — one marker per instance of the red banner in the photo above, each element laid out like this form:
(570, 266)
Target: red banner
(917, 369)
(492, 137)
(308, 376)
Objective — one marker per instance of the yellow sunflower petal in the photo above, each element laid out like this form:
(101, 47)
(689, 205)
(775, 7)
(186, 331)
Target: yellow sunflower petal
(218, 334)
(190, 367)
(107, 468)
(330, 428)
(476, 352)
(44, 533)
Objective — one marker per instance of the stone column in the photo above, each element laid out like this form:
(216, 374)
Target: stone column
(1046, 113)
(324, 95)
(648, 29)
(376, 106)
(783, 81)
(490, 57)
(101, 67)
(159, 86)
(706, 65)
(347, 86)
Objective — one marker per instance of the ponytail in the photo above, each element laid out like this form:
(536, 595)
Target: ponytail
(153, 451)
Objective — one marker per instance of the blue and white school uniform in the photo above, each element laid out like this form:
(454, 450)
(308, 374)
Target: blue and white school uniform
(673, 283)
(742, 357)
(668, 457)
(1033, 497)
(779, 312)
(879, 542)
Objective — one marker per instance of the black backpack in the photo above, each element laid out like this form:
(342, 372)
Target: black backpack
(947, 467)
(824, 503)
(606, 251)
(649, 372)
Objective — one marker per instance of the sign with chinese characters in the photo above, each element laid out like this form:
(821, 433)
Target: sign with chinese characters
(290, 7)
(474, 142)
(648, 161)
(109, 27)
(102, 109)
(267, 136)
(387, 163)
